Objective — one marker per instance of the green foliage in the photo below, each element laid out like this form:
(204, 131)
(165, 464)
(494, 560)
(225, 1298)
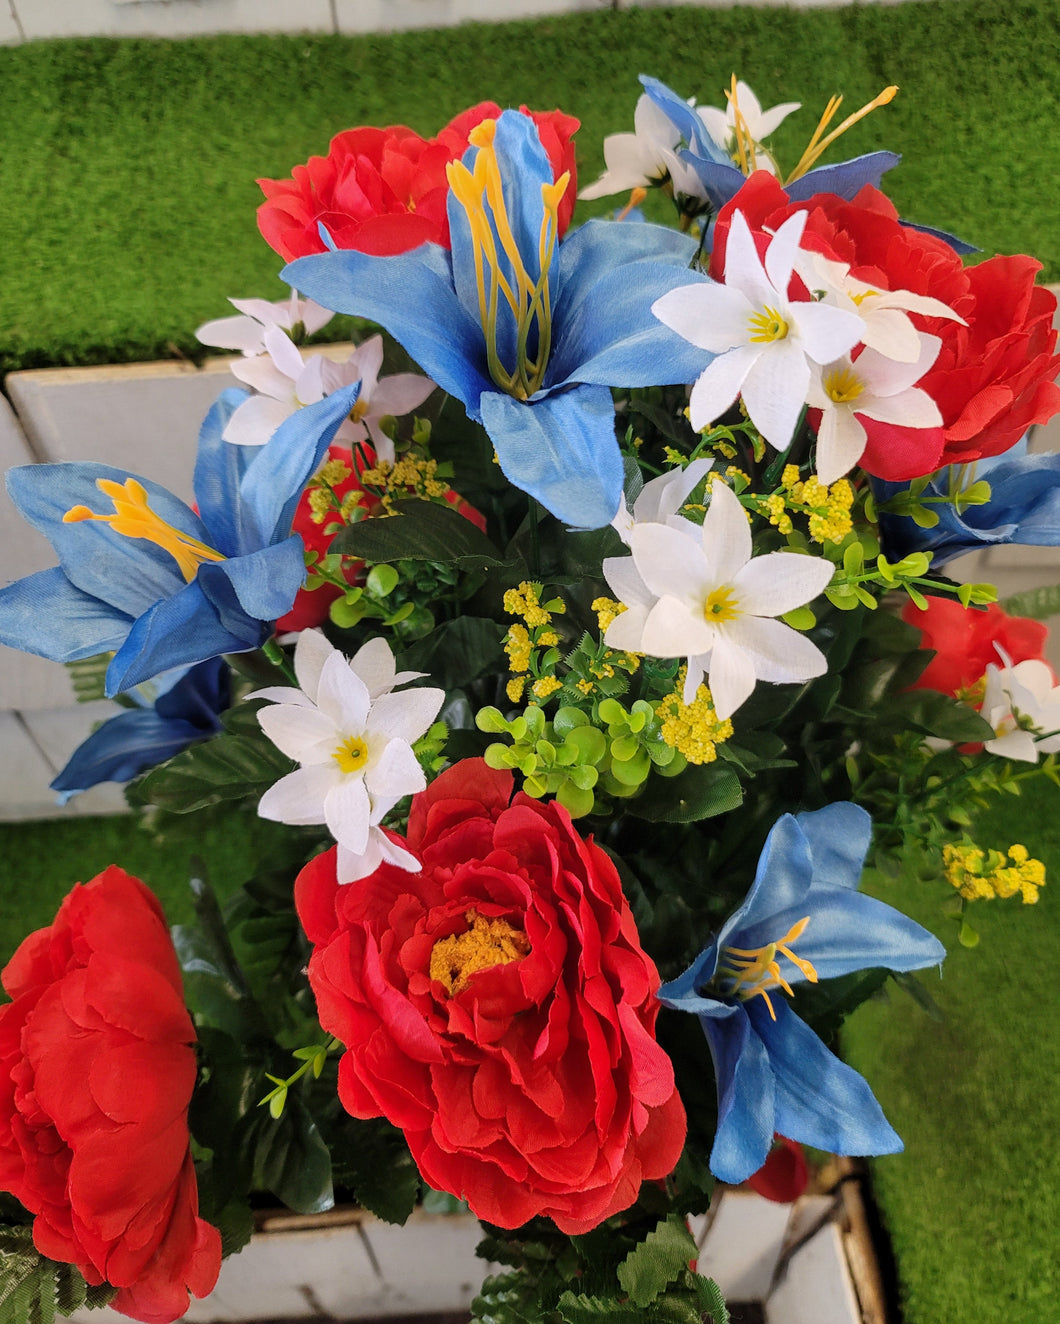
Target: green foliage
(657, 1261)
(373, 1161)
(34, 1289)
(419, 531)
(1037, 603)
(240, 764)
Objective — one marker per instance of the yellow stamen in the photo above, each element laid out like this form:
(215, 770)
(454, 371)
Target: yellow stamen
(480, 192)
(636, 197)
(752, 972)
(721, 605)
(767, 326)
(485, 944)
(351, 755)
(842, 385)
(134, 518)
(745, 157)
(818, 145)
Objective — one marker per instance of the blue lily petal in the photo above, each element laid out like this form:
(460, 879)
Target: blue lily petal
(562, 450)
(75, 625)
(1024, 507)
(551, 440)
(747, 1090)
(684, 118)
(805, 896)
(132, 742)
(413, 296)
(126, 593)
(819, 1099)
(959, 246)
(846, 178)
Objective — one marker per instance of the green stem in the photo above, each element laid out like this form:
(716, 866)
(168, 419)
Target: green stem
(535, 544)
(275, 654)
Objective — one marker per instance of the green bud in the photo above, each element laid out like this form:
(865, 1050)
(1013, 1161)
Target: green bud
(491, 720)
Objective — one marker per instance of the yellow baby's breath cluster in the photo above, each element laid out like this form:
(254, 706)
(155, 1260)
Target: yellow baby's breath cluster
(693, 729)
(524, 639)
(324, 501)
(607, 610)
(828, 507)
(410, 476)
(985, 875)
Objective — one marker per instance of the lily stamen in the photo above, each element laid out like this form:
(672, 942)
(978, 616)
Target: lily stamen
(752, 972)
(817, 145)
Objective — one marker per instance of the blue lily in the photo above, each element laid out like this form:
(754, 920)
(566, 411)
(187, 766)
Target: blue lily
(722, 179)
(186, 710)
(528, 332)
(773, 1073)
(154, 582)
(1024, 507)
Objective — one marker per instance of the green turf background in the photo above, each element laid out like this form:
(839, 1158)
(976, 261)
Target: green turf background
(127, 168)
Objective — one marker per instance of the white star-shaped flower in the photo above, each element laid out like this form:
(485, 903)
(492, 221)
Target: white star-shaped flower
(1022, 704)
(763, 341)
(352, 733)
(872, 386)
(705, 599)
(721, 124)
(247, 333)
(886, 326)
(644, 157)
(661, 499)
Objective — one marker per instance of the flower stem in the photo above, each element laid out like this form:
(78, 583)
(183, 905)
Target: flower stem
(275, 655)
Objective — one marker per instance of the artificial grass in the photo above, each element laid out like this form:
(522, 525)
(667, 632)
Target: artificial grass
(973, 1204)
(128, 167)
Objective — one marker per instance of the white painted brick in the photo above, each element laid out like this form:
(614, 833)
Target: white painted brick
(743, 1244)
(10, 32)
(24, 773)
(396, 15)
(816, 1289)
(169, 18)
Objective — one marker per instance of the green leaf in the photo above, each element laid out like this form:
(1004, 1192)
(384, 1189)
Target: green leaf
(457, 652)
(292, 1161)
(938, 715)
(230, 766)
(419, 531)
(583, 1309)
(699, 792)
(657, 1261)
(711, 1300)
(375, 1161)
(33, 1288)
(1037, 603)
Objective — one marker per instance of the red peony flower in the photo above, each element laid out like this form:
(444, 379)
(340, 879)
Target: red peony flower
(498, 1007)
(384, 191)
(964, 640)
(993, 378)
(96, 1072)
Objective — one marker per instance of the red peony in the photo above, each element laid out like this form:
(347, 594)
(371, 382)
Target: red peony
(964, 640)
(384, 191)
(96, 1072)
(498, 1007)
(993, 378)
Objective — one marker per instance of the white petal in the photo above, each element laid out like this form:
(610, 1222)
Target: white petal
(265, 313)
(310, 653)
(712, 317)
(731, 677)
(1017, 744)
(769, 120)
(400, 394)
(669, 563)
(780, 255)
(726, 536)
(891, 333)
(625, 582)
(263, 376)
(374, 663)
(665, 495)
(256, 419)
(395, 773)
(780, 654)
(242, 333)
(778, 582)
(298, 798)
(908, 409)
(826, 333)
(347, 809)
(366, 361)
(343, 695)
(671, 630)
(627, 630)
(915, 303)
(405, 715)
(720, 383)
(743, 267)
(284, 353)
(313, 316)
(282, 694)
(841, 442)
(298, 732)
(775, 391)
(384, 446)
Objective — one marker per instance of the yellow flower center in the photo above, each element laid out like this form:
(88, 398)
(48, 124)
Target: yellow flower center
(485, 944)
(359, 409)
(766, 326)
(351, 755)
(865, 294)
(749, 973)
(500, 270)
(721, 606)
(134, 518)
(842, 385)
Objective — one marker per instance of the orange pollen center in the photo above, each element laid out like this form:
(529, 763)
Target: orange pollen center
(485, 944)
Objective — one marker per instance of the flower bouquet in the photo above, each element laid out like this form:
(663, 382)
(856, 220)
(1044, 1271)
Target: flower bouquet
(587, 627)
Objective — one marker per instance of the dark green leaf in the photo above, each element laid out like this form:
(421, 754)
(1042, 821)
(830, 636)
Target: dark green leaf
(376, 1163)
(33, 1288)
(419, 531)
(214, 985)
(582, 1309)
(457, 651)
(292, 1161)
(711, 1300)
(657, 1261)
(1037, 603)
(508, 1298)
(227, 767)
(919, 994)
(938, 715)
(698, 792)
